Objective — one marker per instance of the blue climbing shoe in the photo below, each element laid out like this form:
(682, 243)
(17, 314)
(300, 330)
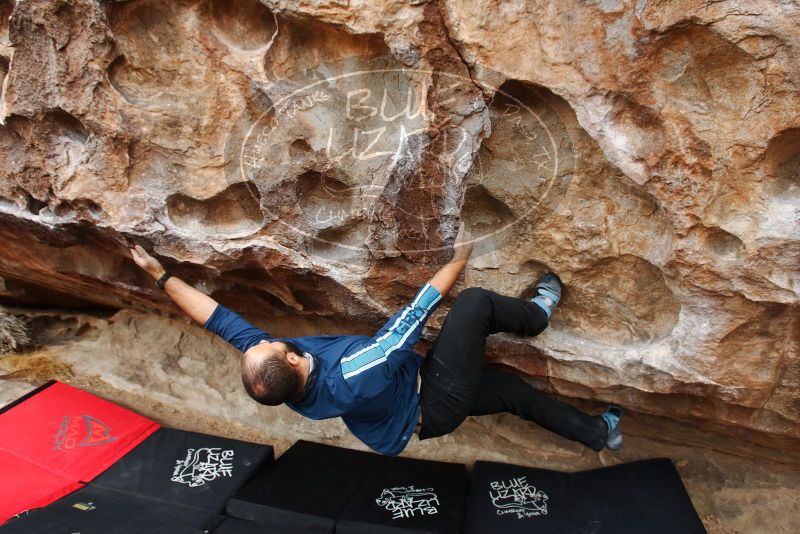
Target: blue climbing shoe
(548, 293)
(612, 417)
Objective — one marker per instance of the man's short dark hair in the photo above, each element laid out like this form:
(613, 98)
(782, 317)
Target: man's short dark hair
(272, 381)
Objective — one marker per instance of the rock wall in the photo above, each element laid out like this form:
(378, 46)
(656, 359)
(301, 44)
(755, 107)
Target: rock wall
(308, 163)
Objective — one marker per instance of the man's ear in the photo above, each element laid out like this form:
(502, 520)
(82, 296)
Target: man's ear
(293, 359)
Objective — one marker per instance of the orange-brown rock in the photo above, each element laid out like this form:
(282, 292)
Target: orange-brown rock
(312, 161)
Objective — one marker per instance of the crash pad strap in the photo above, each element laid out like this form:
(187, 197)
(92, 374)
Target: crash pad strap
(27, 396)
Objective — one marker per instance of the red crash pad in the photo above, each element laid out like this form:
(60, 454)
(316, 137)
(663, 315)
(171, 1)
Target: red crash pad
(26, 486)
(61, 436)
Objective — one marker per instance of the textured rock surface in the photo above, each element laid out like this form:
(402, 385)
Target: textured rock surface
(646, 151)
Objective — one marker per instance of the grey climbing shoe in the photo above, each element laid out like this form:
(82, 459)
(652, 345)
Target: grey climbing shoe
(612, 416)
(548, 293)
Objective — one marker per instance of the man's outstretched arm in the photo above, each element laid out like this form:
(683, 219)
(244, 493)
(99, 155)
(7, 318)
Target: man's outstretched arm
(369, 370)
(194, 303)
(208, 312)
(446, 277)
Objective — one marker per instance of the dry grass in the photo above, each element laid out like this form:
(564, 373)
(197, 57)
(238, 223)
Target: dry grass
(34, 367)
(14, 334)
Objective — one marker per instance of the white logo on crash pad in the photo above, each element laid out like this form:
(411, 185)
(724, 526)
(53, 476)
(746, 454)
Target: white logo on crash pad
(408, 501)
(203, 465)
(516, 496)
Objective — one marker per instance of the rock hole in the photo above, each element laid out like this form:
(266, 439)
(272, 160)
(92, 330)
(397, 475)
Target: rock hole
(309, 44)
(314, 185)
(137, 85)
(151, 24)
(618, 301)
(21, 198)
(751, 352)
(245, 24)
(67, 137)
(122, 79)
(34, 205)
(6, 8)
(12, 154)
(299, 150)
(81, 207)
(67, 126)
(638, 129)
(21, 127)
(3, 72)
(65, 25)
(521, 168)
(700, 72)
(782, 161)
(345, 244)
(152, 38)
(723, 244)
(484, 213)
(233, 212)
(324, 201)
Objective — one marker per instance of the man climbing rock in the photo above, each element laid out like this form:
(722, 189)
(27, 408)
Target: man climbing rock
(379, 386)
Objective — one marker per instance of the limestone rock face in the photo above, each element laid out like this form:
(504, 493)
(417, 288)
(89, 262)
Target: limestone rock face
(308, 164)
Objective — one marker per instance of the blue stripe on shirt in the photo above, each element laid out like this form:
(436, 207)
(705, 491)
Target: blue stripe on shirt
(406, 329)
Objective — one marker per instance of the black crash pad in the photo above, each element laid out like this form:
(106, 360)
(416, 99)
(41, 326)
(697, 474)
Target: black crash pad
(232, 525)
(93, 511)
(403, 495)
(135, 506)
(186, 469)
(306, 488)
(638, 497)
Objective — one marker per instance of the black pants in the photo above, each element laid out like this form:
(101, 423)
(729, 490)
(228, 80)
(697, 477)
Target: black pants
(455, 384)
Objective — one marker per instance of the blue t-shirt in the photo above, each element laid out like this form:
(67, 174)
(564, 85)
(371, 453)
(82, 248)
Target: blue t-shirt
(370, 382)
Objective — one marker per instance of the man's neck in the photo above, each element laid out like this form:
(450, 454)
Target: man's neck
(303, 370)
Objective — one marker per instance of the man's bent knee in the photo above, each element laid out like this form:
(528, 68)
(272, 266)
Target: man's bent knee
(473, 305)
(472, 298)
(435, 430)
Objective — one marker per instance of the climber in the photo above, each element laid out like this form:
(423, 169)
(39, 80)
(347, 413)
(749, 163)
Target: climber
(380, 387)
